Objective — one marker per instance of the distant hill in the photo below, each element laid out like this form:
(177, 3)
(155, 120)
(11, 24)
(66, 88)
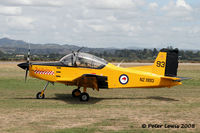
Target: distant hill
(15, 49)
(10, 42)
(11, 46)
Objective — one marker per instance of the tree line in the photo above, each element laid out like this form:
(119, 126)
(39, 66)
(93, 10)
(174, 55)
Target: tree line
(127, 55)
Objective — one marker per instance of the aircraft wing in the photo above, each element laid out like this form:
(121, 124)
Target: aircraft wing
(88, 80)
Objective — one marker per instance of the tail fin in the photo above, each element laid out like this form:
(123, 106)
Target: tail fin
(166, 63)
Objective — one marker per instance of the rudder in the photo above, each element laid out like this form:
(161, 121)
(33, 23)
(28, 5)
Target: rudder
(166, 63)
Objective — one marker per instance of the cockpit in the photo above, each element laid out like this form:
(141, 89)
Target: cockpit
(79, 59)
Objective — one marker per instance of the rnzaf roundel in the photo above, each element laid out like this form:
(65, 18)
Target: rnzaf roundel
(123, 79)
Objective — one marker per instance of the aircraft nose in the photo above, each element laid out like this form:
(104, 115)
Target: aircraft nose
(24, 66)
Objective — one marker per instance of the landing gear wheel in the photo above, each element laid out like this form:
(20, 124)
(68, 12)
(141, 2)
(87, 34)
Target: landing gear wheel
(84, 97)
(76, 93)
(38, 96)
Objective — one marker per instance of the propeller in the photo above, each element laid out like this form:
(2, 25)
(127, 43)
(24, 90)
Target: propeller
(26, 74)
(28, 62)
(25, 65)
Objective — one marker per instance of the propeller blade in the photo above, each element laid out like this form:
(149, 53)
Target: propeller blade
(28, 61)
(28, 55)
(26, 74)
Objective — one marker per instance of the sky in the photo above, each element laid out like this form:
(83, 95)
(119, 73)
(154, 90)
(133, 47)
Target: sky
(103, 23)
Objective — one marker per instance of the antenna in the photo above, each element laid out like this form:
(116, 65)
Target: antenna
(120, 63)
(79, 49)
(76, 54)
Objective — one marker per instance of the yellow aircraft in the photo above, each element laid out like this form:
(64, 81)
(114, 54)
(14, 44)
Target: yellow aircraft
(88, 71)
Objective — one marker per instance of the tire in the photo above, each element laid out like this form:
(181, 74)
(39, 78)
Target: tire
(76, 93)
(38, 96)
(84, 97)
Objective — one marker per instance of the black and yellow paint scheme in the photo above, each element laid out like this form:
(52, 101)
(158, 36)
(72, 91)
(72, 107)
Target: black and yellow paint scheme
(88, 71)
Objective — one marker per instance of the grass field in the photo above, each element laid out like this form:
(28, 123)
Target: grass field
(110, 111)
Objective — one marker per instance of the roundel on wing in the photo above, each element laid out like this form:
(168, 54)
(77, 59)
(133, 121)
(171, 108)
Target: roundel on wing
(123, 79)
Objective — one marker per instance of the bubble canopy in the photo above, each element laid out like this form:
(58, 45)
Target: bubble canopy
(79, 59)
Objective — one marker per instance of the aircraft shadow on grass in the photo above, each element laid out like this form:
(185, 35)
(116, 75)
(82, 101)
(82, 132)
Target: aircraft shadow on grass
(70, 100)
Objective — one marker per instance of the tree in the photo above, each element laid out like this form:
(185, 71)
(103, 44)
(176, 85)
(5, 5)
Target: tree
(1, 53)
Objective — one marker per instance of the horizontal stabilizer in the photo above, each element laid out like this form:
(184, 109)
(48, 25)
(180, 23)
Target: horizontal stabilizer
(178, 79)
(183, 78)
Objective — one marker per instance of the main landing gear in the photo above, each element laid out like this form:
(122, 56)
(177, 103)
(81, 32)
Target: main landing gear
(84, 96)
(76, 92)
(40, 95)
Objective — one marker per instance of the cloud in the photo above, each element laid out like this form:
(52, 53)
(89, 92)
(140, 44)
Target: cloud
(153, 5)
(32, 2)
(16, 2)
(182, 3)
(129, 28)
(5, 35)
(111, 18)
(112, 4)
(98, 28)
(179, 5)
(10, 10)
(178, 9)
(19, 22)
(102, 23)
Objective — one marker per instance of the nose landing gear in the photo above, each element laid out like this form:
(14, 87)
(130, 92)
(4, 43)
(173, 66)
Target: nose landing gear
(40, 95)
